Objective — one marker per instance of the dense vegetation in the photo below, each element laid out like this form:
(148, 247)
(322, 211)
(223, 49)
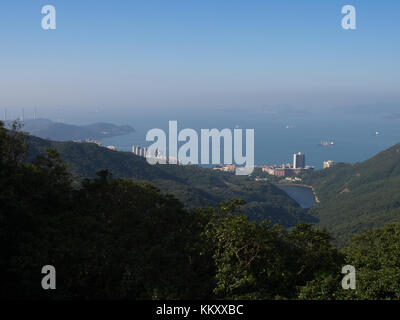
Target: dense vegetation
(117, 238)
(192, 185)
(358, 197)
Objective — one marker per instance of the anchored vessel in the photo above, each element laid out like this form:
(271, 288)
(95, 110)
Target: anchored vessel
(327, 143)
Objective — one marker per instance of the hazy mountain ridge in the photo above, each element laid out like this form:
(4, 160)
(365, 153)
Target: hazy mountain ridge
(59, 131)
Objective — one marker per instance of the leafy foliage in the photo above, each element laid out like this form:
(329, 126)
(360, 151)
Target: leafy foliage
(194, 186)
(358, 197)
(115, 238)
(375, 256)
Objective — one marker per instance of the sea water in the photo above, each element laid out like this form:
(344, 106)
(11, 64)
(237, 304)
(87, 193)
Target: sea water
(279, 135)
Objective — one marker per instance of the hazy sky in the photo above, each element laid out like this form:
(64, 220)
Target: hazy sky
(153, 54)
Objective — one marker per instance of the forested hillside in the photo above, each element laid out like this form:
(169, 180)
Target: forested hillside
(193, 185)
(358, 197)
(354, 197)
(114, 238)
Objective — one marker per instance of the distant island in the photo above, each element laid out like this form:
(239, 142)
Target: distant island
(47, 129)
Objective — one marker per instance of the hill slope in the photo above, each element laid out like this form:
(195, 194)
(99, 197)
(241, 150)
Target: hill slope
(358, 197)
(193, 185)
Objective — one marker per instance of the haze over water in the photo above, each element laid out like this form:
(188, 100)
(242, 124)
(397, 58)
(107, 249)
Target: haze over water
(279, 135)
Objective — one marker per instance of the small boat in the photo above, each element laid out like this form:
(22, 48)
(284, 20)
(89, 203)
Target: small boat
(327, 143)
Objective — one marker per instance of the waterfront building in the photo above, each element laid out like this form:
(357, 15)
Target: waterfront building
(299, 160)
(226, 168)
(328, 164)
(287, 170)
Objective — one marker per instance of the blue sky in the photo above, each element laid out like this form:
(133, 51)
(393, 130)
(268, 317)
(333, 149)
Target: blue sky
(160, 54)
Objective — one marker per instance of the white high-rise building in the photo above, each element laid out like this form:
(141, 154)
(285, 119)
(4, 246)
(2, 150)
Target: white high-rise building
(140, 151)
(299, 160)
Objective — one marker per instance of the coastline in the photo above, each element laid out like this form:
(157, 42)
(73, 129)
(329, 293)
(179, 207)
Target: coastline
(302, 186)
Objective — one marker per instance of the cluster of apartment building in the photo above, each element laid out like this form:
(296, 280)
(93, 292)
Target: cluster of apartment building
(288, 170)
(139, 151)
(226, 168)
(158, 154)
(328, 164)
